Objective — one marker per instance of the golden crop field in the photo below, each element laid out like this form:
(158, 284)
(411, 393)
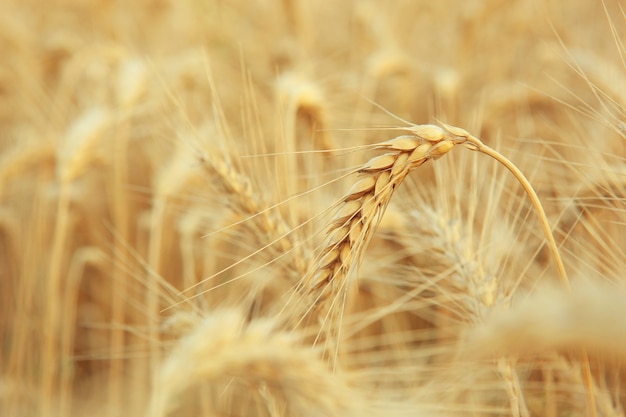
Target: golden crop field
(291, 208)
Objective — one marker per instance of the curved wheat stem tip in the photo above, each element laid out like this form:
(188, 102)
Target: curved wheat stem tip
(475, 144)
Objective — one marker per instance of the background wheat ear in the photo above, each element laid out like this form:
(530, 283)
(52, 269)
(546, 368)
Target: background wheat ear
(550, 318)
(221, 350)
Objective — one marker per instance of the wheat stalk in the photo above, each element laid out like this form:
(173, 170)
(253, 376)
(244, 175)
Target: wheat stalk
(361, 210)
(74, 156)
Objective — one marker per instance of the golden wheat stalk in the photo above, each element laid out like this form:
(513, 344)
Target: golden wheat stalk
(361, 210)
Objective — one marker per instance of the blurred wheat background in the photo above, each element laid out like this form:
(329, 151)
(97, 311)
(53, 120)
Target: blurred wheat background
(169, 172)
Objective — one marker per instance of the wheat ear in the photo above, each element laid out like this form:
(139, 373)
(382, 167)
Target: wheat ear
(271, 229)
(361, 210)
(223, 346)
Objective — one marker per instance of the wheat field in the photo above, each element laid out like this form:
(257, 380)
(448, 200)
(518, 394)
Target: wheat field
(326, 208)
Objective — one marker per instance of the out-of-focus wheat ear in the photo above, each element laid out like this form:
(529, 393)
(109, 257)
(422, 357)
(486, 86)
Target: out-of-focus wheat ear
(471, 283)
(75, 154)
(552, 319)
(305, 113)
(223, 346)
(273, 235)
(23, 157)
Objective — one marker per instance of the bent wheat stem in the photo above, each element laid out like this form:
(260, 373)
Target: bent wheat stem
(476, 144)
(360, 211)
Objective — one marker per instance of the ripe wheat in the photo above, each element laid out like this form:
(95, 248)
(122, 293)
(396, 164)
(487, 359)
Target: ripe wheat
(111, 229)
(361, 210)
